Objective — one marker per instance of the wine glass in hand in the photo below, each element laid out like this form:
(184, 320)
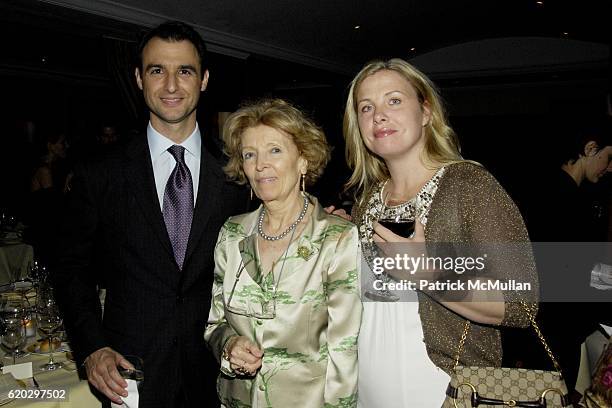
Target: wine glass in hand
(382, 293)
(394, 221)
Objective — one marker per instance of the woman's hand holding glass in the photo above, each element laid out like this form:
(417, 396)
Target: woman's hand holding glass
(385, 235)
(244, 356)
(393, 246)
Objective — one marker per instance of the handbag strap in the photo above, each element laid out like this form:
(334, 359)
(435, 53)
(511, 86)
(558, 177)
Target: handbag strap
(536, 328)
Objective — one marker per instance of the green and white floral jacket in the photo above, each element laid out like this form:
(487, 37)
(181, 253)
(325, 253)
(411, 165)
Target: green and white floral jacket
(310, 345)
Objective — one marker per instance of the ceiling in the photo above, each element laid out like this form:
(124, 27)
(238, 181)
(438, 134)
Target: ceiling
(489, 57)
(324, 34)
(284, 46)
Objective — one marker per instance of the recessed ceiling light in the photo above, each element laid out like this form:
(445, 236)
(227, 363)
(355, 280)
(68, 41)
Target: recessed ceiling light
(357, 27)
(565, 33)
(540, 3)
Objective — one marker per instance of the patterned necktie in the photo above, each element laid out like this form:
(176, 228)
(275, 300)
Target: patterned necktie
(178, 204)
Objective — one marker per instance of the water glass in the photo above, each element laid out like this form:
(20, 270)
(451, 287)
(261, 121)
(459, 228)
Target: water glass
(137, 373)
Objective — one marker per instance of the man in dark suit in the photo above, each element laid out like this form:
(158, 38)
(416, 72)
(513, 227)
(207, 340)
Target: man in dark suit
(147, 215)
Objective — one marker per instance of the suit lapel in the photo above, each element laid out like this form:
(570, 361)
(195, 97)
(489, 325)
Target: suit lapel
(208, 200)
(139, 174)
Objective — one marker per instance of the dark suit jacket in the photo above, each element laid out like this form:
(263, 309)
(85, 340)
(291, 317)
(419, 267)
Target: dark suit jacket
(114, 235)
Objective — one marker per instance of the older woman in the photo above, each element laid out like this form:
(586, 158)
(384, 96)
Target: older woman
(286, 310)
(407, 165)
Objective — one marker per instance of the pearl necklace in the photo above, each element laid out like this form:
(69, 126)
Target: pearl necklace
(261, 232)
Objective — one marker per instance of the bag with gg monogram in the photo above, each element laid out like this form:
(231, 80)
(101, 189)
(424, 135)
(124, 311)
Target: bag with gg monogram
(512, 387)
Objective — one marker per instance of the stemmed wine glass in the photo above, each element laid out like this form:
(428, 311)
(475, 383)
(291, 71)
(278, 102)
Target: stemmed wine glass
(7, 221)
(49, 320)
(15, 311)
(384, 294)
(22, 285)
(13, 335)
(393, 220)
(37, 272)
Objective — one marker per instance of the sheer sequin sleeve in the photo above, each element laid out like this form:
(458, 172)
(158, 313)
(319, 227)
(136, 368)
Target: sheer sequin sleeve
(471, 208)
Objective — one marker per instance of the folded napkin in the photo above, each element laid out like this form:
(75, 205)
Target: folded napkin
(18, 371)
(131, 401)
(7, 383)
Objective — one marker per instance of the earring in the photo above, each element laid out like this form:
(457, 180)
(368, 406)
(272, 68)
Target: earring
(251, 188)
(303, 182)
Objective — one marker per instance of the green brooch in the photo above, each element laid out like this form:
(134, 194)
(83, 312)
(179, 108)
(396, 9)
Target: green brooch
(304, 252)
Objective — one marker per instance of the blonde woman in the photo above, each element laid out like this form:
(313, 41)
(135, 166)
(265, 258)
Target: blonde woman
(286, 310)
(405, 160)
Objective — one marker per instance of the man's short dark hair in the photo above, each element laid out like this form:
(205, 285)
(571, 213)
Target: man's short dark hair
(574, 134)
(175, 31)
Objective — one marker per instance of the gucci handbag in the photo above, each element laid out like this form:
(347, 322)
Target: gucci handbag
(512, 387)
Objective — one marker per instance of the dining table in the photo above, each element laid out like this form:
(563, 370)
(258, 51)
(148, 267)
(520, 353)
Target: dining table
(73, 391)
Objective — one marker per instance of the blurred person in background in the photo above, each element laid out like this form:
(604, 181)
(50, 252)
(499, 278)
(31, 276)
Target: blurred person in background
(50, 173)
(47, 187)
(566, 223)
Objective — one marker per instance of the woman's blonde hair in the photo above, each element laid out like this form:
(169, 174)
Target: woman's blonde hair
(282, 116)
(441, 143)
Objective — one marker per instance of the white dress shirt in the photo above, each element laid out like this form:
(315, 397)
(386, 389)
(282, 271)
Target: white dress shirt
(163, 162)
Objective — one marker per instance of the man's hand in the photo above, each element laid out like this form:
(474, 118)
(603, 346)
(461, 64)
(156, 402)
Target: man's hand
(101, 367)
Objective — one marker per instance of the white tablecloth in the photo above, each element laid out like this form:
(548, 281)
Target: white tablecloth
(77, 391)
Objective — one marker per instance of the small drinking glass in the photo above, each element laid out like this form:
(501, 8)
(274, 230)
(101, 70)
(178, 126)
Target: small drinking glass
(136, 374)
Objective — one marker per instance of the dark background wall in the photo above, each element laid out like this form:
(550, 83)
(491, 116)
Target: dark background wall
(55, 73)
